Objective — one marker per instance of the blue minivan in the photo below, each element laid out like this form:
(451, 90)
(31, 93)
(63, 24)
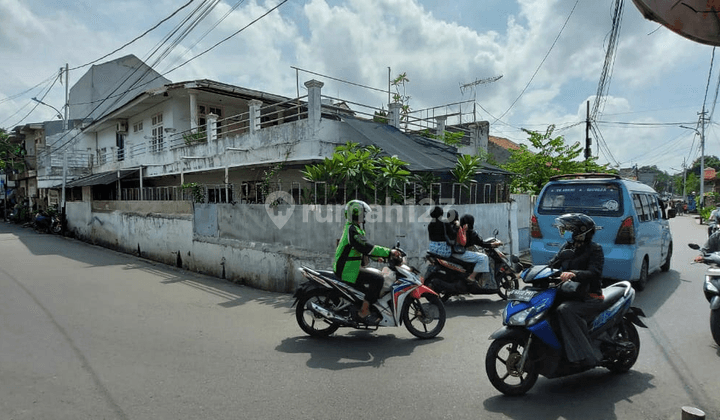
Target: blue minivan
(635, 232)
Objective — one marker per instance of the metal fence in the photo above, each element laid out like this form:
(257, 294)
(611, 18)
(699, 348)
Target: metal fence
(322, 193)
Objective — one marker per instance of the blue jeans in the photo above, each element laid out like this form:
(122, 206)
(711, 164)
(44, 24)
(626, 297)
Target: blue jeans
(481, 261)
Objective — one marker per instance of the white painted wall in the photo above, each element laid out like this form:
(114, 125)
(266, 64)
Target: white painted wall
(242, 243)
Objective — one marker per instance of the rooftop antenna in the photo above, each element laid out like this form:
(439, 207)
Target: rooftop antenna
(473, 85)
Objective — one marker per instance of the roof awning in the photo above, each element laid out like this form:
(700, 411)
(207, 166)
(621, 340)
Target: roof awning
(102, 178)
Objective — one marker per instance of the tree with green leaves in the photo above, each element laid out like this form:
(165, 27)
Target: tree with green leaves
(11, 155)
(465, 170)
(553, 157)
(360, 170)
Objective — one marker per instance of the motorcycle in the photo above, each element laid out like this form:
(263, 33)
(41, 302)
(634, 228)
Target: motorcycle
(528, 346)
(324, 303)
(712, 228)
(448, 276)
(711, 289)
(42, 222)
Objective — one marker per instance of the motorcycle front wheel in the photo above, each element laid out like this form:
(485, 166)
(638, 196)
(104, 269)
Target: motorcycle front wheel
(715, 325)
(502, 366)
(423, 317)
(312, 323)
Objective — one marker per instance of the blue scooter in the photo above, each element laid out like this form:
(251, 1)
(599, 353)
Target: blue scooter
(528, 344)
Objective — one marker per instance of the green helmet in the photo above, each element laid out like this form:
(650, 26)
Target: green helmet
(355, 211)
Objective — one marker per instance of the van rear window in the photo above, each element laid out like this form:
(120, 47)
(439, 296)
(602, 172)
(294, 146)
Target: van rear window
(593, 199)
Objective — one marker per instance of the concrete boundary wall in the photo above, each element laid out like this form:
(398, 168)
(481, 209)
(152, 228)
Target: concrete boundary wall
(263, 246)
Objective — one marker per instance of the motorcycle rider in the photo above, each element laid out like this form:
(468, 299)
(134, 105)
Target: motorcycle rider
(714, 219)
(711, 245)
(351, 250)
(584, 267)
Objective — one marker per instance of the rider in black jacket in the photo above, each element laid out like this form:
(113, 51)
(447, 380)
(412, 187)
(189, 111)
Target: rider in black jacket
(585, 267)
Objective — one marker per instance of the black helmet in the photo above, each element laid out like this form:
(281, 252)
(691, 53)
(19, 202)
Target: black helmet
(581, 225)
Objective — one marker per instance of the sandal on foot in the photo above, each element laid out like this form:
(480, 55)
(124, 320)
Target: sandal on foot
(370, 319)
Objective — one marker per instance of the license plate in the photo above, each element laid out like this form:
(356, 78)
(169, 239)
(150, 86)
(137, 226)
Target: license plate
(521, 295)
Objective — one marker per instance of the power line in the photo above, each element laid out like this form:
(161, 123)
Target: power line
(182, 64)
(136, 38)
(606, 73)
(541, 63)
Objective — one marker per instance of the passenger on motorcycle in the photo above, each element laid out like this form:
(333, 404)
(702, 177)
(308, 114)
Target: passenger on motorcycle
(348, 265)
(438, 232)
(481, 261)
(584, 267)
(467, 221)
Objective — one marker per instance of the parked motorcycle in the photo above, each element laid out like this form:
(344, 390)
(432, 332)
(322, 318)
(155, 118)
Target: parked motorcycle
(324, 303)
(711, 289)
(42, 222)
(528, 344)
(448, 276)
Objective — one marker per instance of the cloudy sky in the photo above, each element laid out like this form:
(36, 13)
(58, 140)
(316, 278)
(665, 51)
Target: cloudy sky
(550, 54)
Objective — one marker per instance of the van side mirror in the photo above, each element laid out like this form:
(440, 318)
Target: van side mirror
(671, 213)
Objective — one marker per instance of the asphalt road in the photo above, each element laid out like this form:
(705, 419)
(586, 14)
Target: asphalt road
(88, 333)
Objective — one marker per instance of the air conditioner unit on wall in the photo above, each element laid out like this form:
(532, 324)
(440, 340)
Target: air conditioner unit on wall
(122, 126)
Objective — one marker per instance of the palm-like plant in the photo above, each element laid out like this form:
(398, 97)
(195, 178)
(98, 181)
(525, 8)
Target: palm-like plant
(465, 170)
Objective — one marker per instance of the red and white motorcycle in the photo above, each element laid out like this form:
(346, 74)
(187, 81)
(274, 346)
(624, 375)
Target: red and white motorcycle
(324, 303)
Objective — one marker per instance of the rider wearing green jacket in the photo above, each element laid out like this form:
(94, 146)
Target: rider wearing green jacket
(348, 265)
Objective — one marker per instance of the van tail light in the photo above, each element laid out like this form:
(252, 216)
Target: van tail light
(535, 228)
(626, 233)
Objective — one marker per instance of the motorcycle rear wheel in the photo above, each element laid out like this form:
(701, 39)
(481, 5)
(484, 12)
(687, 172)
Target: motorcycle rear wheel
(56, 228)
(508, 282)
(715, 325)
(501, 362)
(313, 324)
(423, 317)
(622, 365)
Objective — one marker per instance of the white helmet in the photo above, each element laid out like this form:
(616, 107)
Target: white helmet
(355, 211)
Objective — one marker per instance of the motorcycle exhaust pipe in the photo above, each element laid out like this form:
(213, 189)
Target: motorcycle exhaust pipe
(329, 315)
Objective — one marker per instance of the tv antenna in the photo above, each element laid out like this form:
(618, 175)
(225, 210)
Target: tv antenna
(473, 85)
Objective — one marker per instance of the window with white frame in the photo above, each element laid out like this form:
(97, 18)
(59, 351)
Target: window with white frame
(203, 111)
(156, 144)
(138, 127)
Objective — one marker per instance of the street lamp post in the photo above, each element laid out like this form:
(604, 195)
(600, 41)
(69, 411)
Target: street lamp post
(59, 114)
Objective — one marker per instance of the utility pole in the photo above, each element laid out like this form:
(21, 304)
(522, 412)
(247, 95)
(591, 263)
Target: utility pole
(588, 141)
(684, 180)
(702, 158)
(67, 99)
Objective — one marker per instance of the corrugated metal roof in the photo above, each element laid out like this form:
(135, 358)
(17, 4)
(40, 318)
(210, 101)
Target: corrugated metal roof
(102, 178)
(421, 154)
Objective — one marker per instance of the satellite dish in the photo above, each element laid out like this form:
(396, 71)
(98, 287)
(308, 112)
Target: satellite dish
(698, 20)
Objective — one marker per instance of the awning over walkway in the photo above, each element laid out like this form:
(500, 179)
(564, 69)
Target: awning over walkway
(102, 178)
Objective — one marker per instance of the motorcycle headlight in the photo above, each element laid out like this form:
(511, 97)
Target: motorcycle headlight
(528, 317)
(520, 317)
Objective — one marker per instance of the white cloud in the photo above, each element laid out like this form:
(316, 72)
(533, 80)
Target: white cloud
(357, 40)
